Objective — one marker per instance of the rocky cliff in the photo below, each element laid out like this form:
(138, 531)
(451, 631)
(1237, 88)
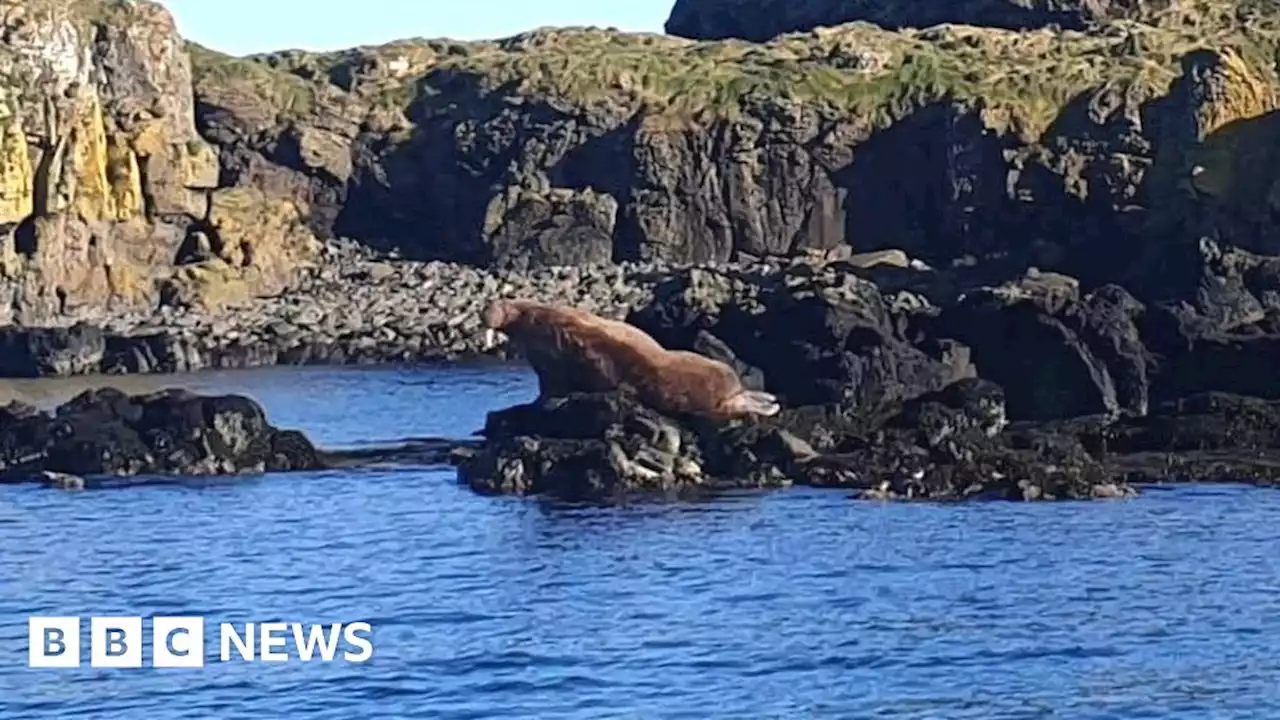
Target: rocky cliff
(141, 171)
(1073, 151)
(109, 196)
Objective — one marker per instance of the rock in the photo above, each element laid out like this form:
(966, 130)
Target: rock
(961, 255)
(148, 150)
(105, 170)
(604, 448)
(892, 258)
(593, 447)
(761, 20)
(858, 135)
(1055, 353)
(39, 352)
(816, 338)
(172, 432)
(61, 481)
(1026, 390)
(527, 229)
(254, 246)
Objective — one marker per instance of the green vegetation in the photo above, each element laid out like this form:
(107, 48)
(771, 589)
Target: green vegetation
(287, 94)
(1020, 80)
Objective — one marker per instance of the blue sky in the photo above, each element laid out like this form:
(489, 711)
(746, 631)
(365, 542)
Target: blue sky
(250, 26)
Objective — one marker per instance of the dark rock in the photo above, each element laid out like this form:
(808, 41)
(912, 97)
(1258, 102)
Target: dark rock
(1055, 353)
(39, 351)
(1200, 438)
(527, 229)
(815, 339)
(1030, 389)
(761, 20)
(172, 432)
(603, 447)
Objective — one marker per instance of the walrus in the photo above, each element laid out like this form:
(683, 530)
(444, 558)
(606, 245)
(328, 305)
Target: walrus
(573, 350)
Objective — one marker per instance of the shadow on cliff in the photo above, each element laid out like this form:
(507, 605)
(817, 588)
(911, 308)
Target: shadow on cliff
(1225, 187)
(427, 194)
(1093, 196)
(943, 186)
(717, 22)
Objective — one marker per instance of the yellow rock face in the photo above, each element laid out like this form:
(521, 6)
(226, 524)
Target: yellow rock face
(200, 165)
(1243, 94)
(259, 243)
(93, 199)
(17, 192)
(108, 183)
(124, 179)
(1236, 121)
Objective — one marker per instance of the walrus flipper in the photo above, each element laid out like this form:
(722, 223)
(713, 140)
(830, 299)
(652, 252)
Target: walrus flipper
(753, 402)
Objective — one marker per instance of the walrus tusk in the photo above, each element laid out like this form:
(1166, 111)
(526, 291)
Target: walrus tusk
(754, 402)
(490, 339)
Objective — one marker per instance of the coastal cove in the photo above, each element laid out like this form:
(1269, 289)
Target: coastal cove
(974, 252)
(792, 602)
(901, 359)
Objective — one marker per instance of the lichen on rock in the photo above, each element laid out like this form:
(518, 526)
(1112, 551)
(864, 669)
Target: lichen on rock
(17, 192)
(98, 149)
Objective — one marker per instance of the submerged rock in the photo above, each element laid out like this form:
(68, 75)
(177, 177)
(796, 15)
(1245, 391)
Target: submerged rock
(171, 432)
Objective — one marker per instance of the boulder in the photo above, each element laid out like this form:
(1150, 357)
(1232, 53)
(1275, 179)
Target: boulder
(172, 432)
(946, 446)
(1058, 353)
(816, 337)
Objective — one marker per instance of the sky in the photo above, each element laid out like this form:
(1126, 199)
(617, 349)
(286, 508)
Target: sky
(240, 27)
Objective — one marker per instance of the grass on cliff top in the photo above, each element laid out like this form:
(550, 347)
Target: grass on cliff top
(287, 94)
(1022, 80)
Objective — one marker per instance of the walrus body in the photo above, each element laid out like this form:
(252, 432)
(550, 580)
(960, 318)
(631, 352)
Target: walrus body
(573, 350)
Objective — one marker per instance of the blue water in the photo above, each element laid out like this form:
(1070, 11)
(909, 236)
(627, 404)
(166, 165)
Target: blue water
(796, 604)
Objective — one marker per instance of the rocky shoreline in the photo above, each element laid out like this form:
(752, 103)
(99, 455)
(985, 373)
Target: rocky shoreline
(899, 381)
(105, 433)
(356, 307)
(1066, 275)
(903, 383)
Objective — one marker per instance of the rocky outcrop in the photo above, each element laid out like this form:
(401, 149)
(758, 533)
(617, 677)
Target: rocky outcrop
(761, 20)
(923, 384)
(172, 432)
(605, 448)
(1072, 151)
(1093, 154)
(353, 309)
(108, 190)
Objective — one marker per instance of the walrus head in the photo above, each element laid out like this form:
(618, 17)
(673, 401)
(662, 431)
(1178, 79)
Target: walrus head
(497, 315)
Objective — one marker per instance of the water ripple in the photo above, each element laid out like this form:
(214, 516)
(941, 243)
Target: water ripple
(798, 604)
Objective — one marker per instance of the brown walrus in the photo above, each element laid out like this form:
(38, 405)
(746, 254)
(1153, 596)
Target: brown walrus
(573, 350)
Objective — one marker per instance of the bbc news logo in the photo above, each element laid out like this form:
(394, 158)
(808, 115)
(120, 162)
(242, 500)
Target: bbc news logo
(179, 642)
